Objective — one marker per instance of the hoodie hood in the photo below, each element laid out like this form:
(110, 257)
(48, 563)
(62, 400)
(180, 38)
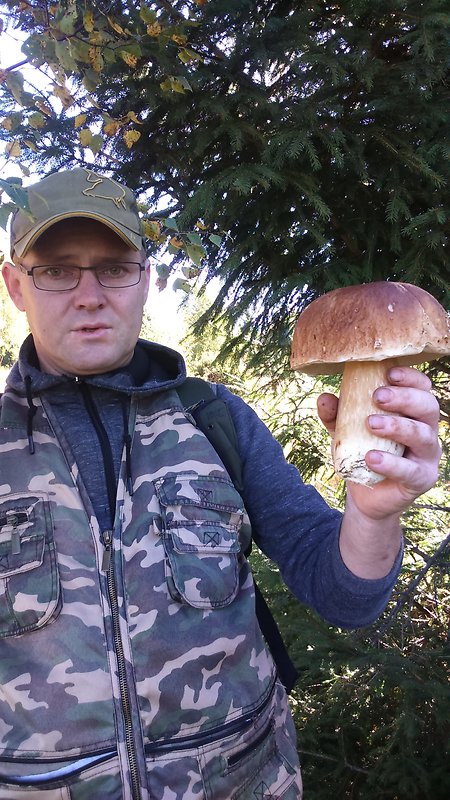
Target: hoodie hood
(153, 368)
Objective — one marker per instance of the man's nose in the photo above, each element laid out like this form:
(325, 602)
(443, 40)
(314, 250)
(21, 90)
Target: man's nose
(89, 291)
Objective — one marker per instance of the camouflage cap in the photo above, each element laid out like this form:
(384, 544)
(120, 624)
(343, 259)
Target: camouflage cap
(76, 193)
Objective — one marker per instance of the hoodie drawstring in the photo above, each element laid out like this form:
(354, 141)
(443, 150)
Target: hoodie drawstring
(127, 444)
(31, 412)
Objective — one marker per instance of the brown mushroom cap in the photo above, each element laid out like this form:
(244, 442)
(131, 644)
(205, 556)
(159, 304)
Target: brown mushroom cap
(370, 322)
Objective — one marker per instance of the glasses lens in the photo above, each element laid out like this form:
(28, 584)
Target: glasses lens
(60, 279)
(55, 279)
(126, 273)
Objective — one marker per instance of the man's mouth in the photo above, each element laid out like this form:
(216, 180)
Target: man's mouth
(91, 329)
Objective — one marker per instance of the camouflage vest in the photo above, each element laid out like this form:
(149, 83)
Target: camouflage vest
(129, 647)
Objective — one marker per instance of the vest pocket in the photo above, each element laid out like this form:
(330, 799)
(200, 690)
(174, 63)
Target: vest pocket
(29, 579)
(201, 519)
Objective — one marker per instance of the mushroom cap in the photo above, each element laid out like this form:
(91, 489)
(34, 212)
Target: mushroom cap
(370, 322)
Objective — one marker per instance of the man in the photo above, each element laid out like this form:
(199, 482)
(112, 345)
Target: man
(131, 662)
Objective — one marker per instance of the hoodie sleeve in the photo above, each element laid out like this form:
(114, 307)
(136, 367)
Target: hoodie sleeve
(294, 526)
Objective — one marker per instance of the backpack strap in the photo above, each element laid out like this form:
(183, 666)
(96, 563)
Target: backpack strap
(213, 418)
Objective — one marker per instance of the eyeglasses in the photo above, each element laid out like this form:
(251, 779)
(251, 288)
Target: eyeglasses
(52, 278)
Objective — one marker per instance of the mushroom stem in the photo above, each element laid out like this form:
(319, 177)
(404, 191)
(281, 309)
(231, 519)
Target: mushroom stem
(353, 437)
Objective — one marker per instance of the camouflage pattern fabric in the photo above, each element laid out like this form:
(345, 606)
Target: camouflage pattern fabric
(136, 649)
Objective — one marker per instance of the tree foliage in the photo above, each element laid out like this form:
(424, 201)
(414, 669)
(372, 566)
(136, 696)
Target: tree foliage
(286, 148)
(371, 707)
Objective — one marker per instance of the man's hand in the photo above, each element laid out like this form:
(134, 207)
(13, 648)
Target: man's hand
(414, 424)
(370, 533)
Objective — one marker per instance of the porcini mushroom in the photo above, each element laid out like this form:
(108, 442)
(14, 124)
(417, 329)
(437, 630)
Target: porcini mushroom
(362, 331)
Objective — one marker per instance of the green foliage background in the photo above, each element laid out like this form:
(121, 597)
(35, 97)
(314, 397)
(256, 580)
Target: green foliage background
(371, 707)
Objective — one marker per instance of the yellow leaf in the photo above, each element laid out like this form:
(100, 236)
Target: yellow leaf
(201, 225)
(79, 120)
(44, 108)
(96, 59)
(36, 120)
(130, 137)
(88, 21)
(132, 116)
(115, 26)
(172, 84)
(181, 40)
(154, 29)
(13, 148)
(152, 229)
(129, 58)
(85, 137)
(176, 242)
(7, 123)
(63, 94)
(187, 56)
(111, 127)
(31, 145)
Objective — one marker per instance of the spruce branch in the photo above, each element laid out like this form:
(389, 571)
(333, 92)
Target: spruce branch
(412, 586)
(334, 760)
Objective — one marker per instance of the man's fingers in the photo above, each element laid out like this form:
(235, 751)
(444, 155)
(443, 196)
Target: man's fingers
(412, 477)
(418, 437)
(410, 402)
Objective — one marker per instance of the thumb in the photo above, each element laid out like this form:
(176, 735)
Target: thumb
(327, 405)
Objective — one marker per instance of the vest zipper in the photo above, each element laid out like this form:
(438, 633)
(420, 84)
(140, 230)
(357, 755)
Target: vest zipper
(106, 537)
(123, 686)
(108, 567)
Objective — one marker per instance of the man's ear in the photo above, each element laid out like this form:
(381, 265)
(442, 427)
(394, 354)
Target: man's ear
(12, 278)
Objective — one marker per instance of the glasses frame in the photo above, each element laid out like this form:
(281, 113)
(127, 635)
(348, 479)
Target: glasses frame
(30, 273)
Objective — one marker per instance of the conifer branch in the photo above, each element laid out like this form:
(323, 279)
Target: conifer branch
(412, 586)
(334, 760)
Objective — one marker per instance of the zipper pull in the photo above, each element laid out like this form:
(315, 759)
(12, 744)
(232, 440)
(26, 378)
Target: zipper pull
(106, 538)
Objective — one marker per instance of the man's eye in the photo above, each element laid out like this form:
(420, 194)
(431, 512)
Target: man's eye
(58, 272)
(114, 271)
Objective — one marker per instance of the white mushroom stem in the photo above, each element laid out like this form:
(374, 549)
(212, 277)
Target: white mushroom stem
(353, 437)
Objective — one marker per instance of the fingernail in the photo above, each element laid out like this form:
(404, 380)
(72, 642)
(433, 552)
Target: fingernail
(395, 374)
(375, 458)
(383, 395)
(376, 421)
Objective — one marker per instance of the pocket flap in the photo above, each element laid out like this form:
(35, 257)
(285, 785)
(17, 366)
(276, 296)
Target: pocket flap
(22, 534)
(205, 538)
(206, 491)
(21, 553)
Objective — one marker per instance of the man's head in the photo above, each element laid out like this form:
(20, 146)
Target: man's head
(76, 193)
(86, 233)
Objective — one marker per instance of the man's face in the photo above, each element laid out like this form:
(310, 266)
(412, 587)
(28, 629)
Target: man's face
(90, 329)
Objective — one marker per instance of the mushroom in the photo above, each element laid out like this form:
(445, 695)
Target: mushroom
(362, 331)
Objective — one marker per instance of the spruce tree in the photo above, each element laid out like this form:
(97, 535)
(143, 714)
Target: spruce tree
(286, 148)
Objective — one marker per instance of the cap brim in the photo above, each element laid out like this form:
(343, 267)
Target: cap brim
(23, 245)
